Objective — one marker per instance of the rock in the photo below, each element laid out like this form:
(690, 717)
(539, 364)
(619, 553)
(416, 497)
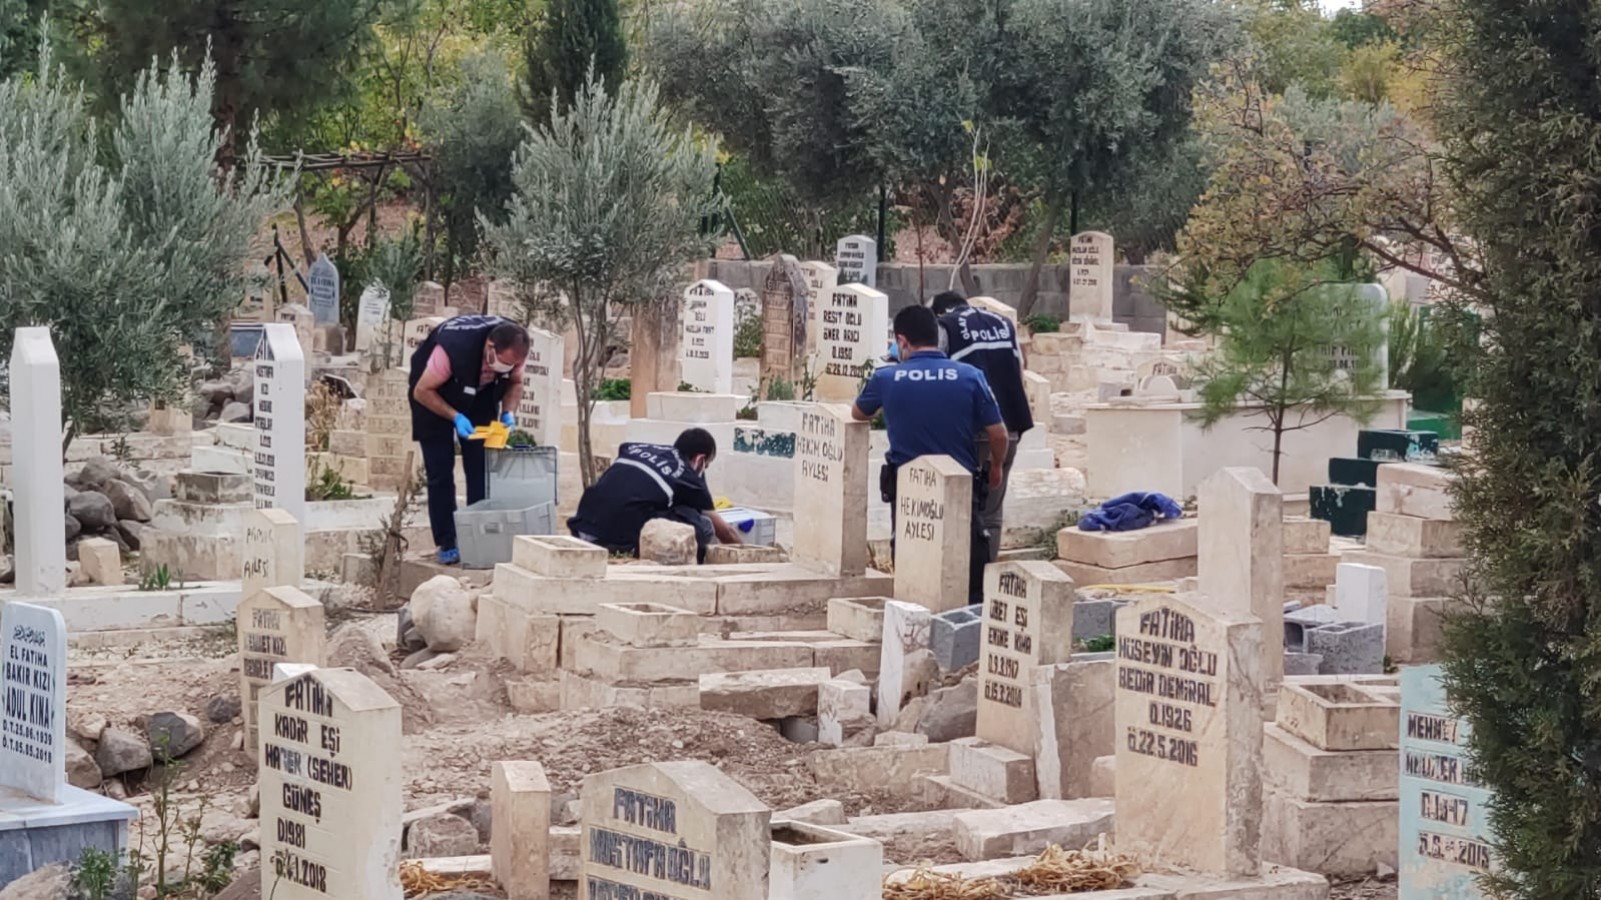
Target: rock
(74, 527)
(482, 817)
(246, 887)
(128, 501)
(817, 812)
(437, 663)
(242, 383)
(235, 411)
(921, 673)
(153, 486)
(407, 637)
(667, 543)
(86, 726)
(53, 882)
(443, 834)
(950, 713)
(132, 533)
(445, 613)
(173, 734)
(416, 659)
(215, 392)
(77, 576)
(253, 802)
(221, 708)
(564, 808)
(81, 769)
(93, 511)
(68, 492)
(114, 789)
(119, 752)
(114, 535)
(218, 827)
(911, 713)
(357, 648)
(95, 474)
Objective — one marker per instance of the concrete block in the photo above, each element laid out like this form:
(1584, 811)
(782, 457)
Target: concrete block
(1103, 776)
(1172, 539)
(858, 618)
(1335, 714)
(621, 663)
(101, 561)
(1096, 617)
(1031, 827)
(649, 624)
(817, 812)
(1297, 663)
(811, 861)
(1305, 535)
(530, 642)
(1413, 628)
(1343, 840)
(1348, 648)
(1297, 622)
(1085, 575)
(579, 691)
(558, 556)
(879, 769)
(843, 655)
(954, 637)
(767, 694)
(582, 596)
(1413, 489)
(1408, 577)
(1399, 535)
(942, 792)
(1297, 769)
(1076, 726)
(1310, 570)
(992, 770)
(533, 695)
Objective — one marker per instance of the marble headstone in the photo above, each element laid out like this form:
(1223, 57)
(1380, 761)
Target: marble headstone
(322, 290)
(33, 732)
(279, 465)
(831, 482)
(39, 499)
(856, 257)
(706, 349)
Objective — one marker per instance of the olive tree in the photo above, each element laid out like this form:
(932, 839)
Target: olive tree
(606, 211)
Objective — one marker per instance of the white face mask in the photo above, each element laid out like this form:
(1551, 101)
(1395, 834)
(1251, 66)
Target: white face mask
(498, 366)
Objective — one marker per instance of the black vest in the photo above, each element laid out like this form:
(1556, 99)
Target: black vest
(462, 339)
(988, 342)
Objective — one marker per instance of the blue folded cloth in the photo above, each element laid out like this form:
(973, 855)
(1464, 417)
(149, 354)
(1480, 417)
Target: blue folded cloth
(1130, 512)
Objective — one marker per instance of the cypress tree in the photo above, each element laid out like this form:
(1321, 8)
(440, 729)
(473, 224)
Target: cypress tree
(561, 45)
(1522, 124)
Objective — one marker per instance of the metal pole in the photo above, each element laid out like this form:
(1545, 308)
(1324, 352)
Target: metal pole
(883, 211)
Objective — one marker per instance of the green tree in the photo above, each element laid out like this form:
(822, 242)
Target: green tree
(607, 211)
(1296, 347)
(282, 58)
(1521, 122)
(123, 241)
(1298, 46)
(562, 45)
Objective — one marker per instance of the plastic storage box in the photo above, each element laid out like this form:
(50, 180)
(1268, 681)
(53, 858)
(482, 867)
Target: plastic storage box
(754, 527)
(520, 498)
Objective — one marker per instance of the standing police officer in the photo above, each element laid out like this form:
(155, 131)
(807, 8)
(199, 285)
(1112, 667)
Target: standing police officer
(468, 370)
(988, 342)
(933, 405)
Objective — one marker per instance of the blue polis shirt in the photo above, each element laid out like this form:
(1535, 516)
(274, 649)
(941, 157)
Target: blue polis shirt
(931, 405)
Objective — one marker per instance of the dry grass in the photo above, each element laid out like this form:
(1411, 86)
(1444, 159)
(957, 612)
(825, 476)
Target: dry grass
(418, 882)
(1056, 871)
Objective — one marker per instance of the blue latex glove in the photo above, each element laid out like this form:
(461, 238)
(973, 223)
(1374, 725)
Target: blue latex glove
(464, 426)
(508, 420)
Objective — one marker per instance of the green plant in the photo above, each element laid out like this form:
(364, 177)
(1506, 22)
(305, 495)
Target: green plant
(520, 439)
(609, 203)
(395, 264)
(1040, 323)
(94, 876)
(120, 450)
(1419, 362)
(327, 483)
(778, 388)
(746, 413)
(685, 387)
(574, 39)
(1101, 643)
(157, 579)
(748, 337)
(615, 389)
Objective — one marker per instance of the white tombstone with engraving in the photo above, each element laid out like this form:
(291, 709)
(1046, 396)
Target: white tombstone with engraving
(322, 290)
(33, 732)
(280, 462)
(40, 516)
(852, 338)
(371, 316)
(706, 349)
(856, 256)
(539, 411)
(1090, 260)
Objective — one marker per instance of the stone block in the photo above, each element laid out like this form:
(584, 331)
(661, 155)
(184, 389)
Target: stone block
(954, 637)
(1305, 535)
(1297, 769)
(1297, 622)
(1074, 703)
(649, 624)
(1398, 535)
(1172, 539)
(764, 590)
(532, 695)
(994, 771)
(906, 632)
(519, 842)
(743, 554)
(858, 618)
(579, 691)
(1344, 840)
(1414, 629)
(766, 694)
(1348, 648)
(942, 792)
(528, 641)
(841, 656)
(558, 556)
(574, 629)
(817, 812)
(1344, 508)
(1336, 714)
(1094, 618)
(668, 543)
(1360, 593)
(692, 407)
(621, 663)
(211, 487)
(1413, 489)
(1309, 570)
(879, 769)
(1103, 776)
(1298, 663)
(1085, 575)
(571, 596)
(811, 861)
(101, 561)
(1414, 577)
(844, 708)
(1031, 827)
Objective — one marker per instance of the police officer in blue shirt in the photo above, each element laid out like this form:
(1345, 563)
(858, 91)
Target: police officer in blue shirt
(988, 342)
(932, 406)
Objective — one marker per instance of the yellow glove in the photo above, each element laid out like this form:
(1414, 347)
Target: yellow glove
(722, 503)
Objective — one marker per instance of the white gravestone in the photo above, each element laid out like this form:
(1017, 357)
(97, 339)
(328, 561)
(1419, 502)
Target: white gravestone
(371, 315)
(330, 788)
(276, 625)
(853, 321)
(322, 290)
(706, 350)
(274, 553)
(856, 256)
(415, 332)
(280, 461)
(1028, 623)
(1090, 263)
(539, 411)
(33, 733)
(679, 830)
(40, 504)
(933, 532)
(821, 278)
(831, 484)
(907, 629)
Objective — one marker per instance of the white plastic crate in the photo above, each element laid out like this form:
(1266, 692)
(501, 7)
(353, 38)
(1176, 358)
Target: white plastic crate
(484, 530)
(754, 526)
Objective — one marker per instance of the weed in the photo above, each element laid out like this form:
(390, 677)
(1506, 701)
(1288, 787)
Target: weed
(1101, 643)
(1042, 324)
(157, 579)
(615, 389)
(327, 483)
(95, 875)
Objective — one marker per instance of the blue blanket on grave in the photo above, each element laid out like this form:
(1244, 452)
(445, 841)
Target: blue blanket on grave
(1130, 512)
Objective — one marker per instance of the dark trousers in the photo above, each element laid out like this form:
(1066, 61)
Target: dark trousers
(705, 535)
(439, 462)
(978, 537)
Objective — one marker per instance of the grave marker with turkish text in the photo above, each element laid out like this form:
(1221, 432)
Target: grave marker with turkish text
(856, 256)
(33, 729)
(1027, 622)
(1090, 263)
(1445, 834)
(279, 465)
(322, 290)
(933, 532)
(853, 336)
(831, 491)
(276, 624)
(706, 351)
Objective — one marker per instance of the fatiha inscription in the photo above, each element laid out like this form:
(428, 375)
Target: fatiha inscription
(30, 715)
(1165, 641)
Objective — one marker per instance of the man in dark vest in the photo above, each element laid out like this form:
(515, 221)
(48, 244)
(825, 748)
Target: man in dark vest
(988, 342)
(468, 372)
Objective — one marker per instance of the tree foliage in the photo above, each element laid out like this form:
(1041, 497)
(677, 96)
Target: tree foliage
(607, 209)
(1522, 124)
(123, 241)
(562, 45)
